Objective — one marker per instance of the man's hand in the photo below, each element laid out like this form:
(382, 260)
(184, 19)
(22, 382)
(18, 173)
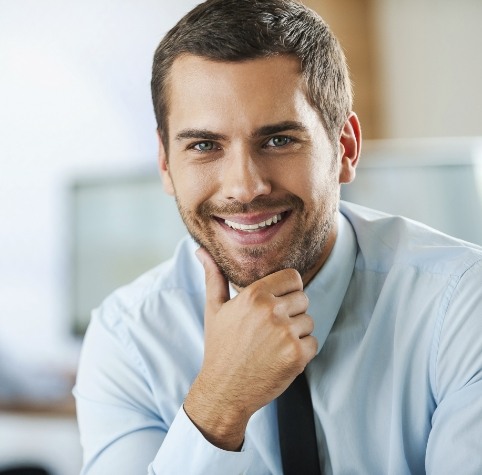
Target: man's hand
(255, 346)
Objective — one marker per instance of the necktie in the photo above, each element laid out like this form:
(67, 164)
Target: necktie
(299, 451)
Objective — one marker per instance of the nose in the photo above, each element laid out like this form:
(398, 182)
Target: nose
(244, 178)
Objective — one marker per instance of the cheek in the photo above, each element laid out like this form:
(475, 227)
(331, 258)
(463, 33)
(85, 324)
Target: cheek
(314, 182)
(193, 186)
(325, 192)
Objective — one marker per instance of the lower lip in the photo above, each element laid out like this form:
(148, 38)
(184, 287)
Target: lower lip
(261, 236)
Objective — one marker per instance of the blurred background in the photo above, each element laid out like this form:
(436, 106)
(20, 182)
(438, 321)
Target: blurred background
(81, 207)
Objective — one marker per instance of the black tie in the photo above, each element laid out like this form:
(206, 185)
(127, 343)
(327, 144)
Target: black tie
(299, 451)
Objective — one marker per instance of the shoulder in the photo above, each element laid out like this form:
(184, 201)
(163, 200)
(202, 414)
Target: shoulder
(161, 291)
(386, 241)
(429, 282)
(134, 349)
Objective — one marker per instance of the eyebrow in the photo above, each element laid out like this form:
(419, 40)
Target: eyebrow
(270, 129)
(202, 134)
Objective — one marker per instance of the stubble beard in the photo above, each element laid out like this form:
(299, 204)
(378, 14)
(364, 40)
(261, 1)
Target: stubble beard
(302, 252)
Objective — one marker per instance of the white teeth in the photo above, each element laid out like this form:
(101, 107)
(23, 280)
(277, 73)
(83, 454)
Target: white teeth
(253, 227)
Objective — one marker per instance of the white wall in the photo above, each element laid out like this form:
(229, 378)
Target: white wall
(430, 67)
(74, 98)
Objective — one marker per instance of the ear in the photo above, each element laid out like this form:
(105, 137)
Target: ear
(163, 166)
(350, 147)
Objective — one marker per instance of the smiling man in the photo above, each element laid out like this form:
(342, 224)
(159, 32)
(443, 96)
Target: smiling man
(184, 370)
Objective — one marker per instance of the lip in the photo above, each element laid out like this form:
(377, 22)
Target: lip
(253, 237)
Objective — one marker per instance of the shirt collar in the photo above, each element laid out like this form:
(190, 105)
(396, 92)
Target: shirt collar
(328, 288)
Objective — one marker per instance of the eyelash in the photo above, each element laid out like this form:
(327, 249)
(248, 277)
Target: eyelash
(288, 139)
(215, 147)
(195, 145)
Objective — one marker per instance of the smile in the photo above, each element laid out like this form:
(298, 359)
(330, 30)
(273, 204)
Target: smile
(255, 227)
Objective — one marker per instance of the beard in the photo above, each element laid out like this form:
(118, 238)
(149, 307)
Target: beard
(301, 251)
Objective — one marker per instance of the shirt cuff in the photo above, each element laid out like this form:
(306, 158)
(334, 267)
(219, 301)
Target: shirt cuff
(185, 450)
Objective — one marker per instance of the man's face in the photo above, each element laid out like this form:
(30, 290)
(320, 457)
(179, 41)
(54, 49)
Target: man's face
(255, 177)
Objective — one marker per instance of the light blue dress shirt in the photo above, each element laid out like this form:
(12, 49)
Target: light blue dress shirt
(396, 384)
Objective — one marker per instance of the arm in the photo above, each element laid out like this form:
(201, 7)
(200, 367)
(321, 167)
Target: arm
(455, 441)
(250, 357)
(122, 430)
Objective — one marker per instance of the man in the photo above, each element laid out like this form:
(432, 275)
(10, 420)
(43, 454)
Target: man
(181, 370)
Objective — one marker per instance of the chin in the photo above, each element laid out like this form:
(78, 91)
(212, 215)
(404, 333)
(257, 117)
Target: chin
(244, 273)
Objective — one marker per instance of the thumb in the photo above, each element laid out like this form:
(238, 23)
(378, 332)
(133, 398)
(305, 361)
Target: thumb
(217, 287)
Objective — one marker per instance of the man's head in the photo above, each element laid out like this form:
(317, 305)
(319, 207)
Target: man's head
(239, 30)
(255, 139)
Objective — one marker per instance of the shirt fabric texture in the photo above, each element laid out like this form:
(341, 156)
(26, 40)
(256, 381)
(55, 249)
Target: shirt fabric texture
(396, 384)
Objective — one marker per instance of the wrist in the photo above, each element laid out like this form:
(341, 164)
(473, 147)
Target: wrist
(220, 421)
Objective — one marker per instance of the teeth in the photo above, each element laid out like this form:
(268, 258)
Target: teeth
(253, 227)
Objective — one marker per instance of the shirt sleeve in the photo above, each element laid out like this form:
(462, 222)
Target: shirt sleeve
(185, 450)
(455, 441)
(121, 428)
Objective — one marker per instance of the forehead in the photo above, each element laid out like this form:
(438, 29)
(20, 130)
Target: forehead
(257, 90)
(272, 67)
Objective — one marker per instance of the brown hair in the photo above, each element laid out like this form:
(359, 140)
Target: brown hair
(239, 30)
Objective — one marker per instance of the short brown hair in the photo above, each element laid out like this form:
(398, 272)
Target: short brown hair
(239, 30)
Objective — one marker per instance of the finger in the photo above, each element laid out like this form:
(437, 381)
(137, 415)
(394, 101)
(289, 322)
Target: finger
(310, 347)
(292, 304)
(282, 282)
(306, 350)
(217, 287)
(302, 325)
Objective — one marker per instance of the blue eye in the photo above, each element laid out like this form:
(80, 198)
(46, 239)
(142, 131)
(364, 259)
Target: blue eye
(278, 141)
(204, 146)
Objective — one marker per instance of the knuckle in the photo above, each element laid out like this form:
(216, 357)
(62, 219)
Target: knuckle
(302, 300)
(314, 346)
(310, 324)
(255, 290)
(294, 350)
(263, 302)
(286, 334)
(252, 293)
(294, 275)
(278, 308)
